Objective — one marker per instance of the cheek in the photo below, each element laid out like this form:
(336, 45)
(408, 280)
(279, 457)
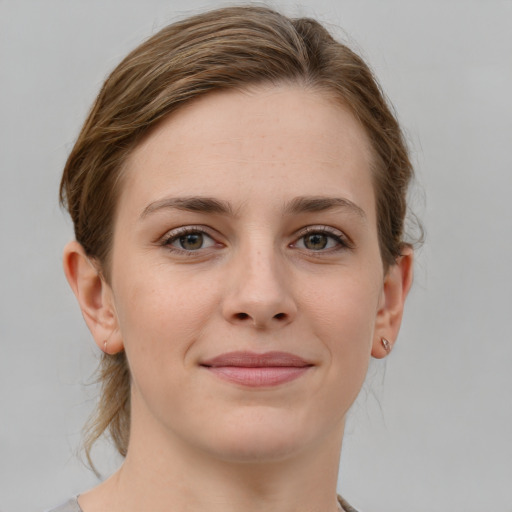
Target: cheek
(160, 317)
(345, 305)
(345, 315)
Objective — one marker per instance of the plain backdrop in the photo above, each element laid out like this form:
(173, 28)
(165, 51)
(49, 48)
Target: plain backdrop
(432, 428)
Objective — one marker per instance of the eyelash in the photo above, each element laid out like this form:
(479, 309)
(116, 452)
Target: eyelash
(176, 234)
(341, 240)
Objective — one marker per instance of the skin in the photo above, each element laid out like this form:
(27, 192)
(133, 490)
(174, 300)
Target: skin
(259, 282)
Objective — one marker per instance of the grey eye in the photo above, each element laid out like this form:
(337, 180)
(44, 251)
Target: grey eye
(192, 241)
(316, 241)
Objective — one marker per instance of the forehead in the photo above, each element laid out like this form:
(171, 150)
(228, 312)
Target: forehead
(241, 143)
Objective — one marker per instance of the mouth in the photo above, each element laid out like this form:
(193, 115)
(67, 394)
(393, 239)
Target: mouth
(257, 370)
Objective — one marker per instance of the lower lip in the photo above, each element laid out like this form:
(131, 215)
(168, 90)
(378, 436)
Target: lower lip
(259, 377)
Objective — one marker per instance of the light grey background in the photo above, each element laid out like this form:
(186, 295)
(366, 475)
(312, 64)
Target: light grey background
(432, 428)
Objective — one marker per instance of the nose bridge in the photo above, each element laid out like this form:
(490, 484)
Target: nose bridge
(259, 293)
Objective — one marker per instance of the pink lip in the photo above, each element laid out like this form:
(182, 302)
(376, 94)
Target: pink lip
(257, 370)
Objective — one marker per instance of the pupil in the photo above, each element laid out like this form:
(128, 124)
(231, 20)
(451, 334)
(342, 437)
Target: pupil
(315, 241)
(191, 241)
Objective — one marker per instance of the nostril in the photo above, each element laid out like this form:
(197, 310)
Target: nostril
(242, 316)
(279, 316)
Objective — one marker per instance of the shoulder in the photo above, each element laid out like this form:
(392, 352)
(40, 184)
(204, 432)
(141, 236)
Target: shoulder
(70, 506)
(346, 507)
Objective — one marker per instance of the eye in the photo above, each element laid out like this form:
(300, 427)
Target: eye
(321, 239)
(317, 241)
(188, 239)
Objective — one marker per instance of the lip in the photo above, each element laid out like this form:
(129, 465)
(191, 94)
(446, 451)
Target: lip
(257, 370)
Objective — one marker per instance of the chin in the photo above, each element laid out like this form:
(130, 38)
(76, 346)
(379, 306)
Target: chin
(257, 451)
(260, 440)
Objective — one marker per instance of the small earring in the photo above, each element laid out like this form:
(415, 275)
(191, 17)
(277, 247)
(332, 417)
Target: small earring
(386, 345)
(105, 346)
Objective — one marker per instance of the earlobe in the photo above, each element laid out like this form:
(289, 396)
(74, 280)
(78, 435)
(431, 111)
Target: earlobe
(94, 296)
(397, 284)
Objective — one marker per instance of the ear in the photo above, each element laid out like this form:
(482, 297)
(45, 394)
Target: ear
(397, 283)
(94, 296)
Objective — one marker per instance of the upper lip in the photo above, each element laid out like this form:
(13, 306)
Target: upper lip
(255, 360)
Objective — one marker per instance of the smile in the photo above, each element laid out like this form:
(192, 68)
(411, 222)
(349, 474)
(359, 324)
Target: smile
(257, 370)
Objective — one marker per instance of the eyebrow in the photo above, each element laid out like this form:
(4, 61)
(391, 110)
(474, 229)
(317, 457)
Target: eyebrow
(190, 204)
(303, 204)
(320, 204)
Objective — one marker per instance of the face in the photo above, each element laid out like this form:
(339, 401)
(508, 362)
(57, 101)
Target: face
(246, 273)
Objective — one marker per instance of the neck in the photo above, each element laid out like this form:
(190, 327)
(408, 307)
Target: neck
(161, 472)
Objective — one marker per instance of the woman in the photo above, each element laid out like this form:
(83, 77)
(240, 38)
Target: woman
(238, 196)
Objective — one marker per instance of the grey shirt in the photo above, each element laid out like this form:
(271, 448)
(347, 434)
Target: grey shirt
(73, 506)
(70, 506)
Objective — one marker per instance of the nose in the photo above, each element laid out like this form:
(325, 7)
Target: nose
(259, 293)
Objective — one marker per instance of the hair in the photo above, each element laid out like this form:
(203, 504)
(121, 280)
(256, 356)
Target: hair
(229, 48)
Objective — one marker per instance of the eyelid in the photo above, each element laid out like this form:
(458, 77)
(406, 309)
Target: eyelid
(344, 241)
(176, 233)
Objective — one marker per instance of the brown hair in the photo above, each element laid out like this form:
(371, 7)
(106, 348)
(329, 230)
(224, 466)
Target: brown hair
(227, 48)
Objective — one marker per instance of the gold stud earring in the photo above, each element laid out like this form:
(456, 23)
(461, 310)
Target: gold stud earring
(386, 345)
